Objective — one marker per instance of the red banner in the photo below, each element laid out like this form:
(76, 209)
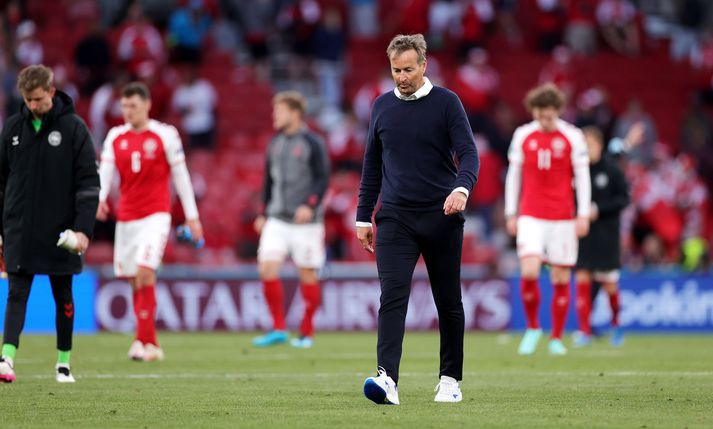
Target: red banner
(238, 305)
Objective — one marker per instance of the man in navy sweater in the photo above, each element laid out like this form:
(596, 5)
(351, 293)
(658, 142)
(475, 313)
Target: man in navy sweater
(421, 157)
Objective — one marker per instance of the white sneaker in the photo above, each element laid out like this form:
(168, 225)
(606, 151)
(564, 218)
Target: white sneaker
(136, 351)
(64, 375)
(7, 374)
(448, 390)
(152, 353)
(381, 389)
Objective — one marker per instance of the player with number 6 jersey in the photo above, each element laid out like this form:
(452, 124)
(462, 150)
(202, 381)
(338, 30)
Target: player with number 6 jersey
(546, 156)
(146, 153)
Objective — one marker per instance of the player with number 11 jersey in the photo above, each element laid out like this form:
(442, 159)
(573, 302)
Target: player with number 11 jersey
(546, 157)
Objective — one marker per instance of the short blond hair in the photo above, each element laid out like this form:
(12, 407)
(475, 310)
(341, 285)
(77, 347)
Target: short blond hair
(404, 42)
(293, 99)
(33, 77)
(547, 95)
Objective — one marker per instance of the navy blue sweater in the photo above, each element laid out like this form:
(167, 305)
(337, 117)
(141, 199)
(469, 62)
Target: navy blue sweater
(411, 153)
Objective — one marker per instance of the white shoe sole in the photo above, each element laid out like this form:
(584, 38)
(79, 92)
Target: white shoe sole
(66, 380)
(446, 399)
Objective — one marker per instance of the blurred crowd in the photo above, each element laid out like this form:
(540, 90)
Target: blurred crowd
(199, 56)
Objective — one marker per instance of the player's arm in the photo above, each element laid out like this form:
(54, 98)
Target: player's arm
(461, 137)
(582, 183)
(513, 181)
(184, 189)
(182, 182)
(319, 168)
(87, 186)
(370, 186)
(266, 193)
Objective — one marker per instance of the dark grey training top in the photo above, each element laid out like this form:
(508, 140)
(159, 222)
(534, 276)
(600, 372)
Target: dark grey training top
(296, 173)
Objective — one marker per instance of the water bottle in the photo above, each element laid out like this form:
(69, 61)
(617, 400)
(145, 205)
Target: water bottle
(183, 233)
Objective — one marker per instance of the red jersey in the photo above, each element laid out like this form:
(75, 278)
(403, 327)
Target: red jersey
(548, 160)
(144, 160)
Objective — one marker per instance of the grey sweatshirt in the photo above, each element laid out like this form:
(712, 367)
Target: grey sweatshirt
(296, 173)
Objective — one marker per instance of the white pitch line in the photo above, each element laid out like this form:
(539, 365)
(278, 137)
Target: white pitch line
(277, 357)
(245, 375)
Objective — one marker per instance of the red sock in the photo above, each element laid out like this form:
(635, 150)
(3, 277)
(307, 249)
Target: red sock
(311, 298)
(530, 292)
(137, 309)
(147, 312)
(614, 303)
(584, 306)
(560, 305)
(275, 301)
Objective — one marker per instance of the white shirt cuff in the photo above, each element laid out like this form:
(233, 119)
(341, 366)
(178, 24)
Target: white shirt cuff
(363, 224)
(463, 190)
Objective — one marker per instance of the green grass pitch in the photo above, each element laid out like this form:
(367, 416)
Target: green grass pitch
(219, 380)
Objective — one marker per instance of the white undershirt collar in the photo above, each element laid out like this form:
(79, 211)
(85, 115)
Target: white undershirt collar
(423, 91)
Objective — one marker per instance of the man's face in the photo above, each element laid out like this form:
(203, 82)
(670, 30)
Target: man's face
(135, 110)
(39, 100)
(283, 117)
(407, 72)
(594, 147)
(547, 117)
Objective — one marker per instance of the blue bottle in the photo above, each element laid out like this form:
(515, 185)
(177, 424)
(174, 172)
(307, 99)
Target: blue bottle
(183, 233)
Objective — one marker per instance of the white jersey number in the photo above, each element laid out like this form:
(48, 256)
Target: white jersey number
(136, 161)
(544, 159)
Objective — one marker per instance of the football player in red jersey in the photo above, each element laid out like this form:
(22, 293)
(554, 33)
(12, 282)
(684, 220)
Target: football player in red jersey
(546, 157)
(146, 153)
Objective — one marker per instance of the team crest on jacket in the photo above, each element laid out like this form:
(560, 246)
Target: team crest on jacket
(150, 146)
(55, 138)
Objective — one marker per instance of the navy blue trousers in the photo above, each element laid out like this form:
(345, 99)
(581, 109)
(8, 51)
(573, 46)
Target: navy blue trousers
(401, 237)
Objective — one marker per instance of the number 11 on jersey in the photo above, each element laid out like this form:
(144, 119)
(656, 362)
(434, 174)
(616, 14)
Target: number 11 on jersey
(544, 159)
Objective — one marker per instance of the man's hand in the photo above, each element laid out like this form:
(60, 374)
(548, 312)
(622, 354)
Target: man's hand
(103, 211)
(259, 224)
(82, 242)
(2, 259)
(636, 135)
(511, 225)
(196, 229)
(455, 203)
(593, 212)
(304, 214)
(582, 226)
(365, 235)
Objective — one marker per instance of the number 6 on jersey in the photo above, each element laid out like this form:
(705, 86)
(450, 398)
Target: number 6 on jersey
(136, 161)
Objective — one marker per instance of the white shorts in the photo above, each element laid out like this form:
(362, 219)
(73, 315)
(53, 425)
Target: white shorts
(553, 241)
(303, 242)
(140, 243)
(611, 276)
